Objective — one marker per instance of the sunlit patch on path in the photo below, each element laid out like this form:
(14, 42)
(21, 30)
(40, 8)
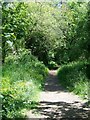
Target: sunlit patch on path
(56, 102)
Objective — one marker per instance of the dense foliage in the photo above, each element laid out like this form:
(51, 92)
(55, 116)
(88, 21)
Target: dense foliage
(57, 34)
(23, 78)
(73, 77)
(14, 27)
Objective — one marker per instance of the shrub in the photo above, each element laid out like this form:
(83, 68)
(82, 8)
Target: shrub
(73, 77)
(53, 65)
(22, 79)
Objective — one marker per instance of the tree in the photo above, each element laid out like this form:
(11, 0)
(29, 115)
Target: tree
(14, 25)
(45, 32)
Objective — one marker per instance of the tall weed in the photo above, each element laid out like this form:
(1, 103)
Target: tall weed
(22, 80)
(73, 77)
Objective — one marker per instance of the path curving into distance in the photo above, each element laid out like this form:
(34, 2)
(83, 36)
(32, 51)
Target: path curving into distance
(57, 103)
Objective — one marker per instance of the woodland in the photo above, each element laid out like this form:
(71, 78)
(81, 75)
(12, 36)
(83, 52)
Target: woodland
(38, 37)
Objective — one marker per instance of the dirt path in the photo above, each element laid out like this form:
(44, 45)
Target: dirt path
(57, 103)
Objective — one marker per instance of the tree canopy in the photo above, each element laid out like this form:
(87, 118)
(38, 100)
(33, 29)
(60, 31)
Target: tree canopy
(37, 36)
(50, 32)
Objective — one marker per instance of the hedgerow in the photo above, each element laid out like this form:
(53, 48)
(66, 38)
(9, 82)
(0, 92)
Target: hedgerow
(73, 76)
(22, 79)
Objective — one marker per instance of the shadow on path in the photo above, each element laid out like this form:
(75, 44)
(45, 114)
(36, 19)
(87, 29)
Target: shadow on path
(56, 103)
(52, 83)
(67, 111)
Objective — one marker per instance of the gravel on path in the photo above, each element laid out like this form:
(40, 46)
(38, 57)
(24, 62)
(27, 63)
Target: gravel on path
(57, 103)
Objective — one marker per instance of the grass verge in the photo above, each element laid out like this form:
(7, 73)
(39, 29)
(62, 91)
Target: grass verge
(73, 77)
(22, 79)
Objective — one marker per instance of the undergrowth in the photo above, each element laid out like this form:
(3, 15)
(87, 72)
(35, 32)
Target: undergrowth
(22, 79)
(73, 77)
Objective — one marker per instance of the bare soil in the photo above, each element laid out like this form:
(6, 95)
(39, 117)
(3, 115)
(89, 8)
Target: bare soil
(57, 103)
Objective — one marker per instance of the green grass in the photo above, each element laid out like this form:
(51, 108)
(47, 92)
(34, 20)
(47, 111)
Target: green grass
(22, 80)
(74, 78)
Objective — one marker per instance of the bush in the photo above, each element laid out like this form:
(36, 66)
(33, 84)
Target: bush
(73, 77)
(22, 79)
(52, 65)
